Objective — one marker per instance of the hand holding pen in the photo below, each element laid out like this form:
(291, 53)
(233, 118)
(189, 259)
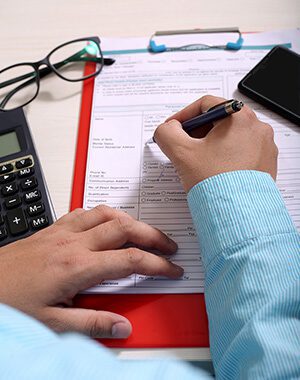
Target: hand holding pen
(217, 112)
(240, 142)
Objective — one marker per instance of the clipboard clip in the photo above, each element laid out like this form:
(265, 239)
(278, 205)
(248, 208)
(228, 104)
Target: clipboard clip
(154, 48)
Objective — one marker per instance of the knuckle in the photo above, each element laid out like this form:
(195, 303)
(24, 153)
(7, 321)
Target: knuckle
(124, 223)
(207, 101)
(249, 113)
(134, 256)
(160, 130)
(54, 323)
(93, 327)
(78, 217)
(104, 211)
(268, 130)
(78, 211)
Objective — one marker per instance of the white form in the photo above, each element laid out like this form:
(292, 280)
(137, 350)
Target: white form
(131, 98)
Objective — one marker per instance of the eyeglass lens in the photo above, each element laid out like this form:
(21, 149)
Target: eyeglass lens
(70, 60)
(18, 86)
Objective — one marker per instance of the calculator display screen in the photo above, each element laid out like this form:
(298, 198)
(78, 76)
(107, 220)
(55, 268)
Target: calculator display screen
(9, 144)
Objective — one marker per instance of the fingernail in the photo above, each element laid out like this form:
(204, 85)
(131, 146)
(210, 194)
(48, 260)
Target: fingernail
(172, 244)
(121, 330)
(179, 269)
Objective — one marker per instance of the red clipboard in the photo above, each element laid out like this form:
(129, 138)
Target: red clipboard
(158, 320)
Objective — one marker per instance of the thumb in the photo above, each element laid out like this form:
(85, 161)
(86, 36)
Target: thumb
(94, 323)
(170, 137)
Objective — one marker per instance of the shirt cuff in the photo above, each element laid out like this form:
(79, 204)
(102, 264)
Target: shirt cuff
(233, 207)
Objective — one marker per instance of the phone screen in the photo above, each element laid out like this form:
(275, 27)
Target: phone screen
(277, 78)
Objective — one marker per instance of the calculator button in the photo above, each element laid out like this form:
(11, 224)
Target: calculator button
(16, 221)
(32, 196)
(9, 189)
(3, 233)
(12, 202)
(39, 222)
(6, 168)
(7, 178)
(25, 172)
(23, 163)
(35, 209)
(29, 183)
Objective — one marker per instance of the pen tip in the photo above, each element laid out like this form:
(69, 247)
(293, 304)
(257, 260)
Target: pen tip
(150, 141)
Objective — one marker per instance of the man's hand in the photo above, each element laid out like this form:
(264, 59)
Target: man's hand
(238, 142)
(40, 275)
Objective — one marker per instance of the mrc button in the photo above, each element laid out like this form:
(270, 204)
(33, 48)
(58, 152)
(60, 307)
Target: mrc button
(32, 196)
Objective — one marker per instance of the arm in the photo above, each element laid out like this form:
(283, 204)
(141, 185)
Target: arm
(31, 351)
(249, 245)
(252, 267)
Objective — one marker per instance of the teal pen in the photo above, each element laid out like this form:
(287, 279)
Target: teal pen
(220, 111)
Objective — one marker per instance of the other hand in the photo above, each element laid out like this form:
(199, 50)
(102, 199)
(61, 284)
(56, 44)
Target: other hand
(41, 274)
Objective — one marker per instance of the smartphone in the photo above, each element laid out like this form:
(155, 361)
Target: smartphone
(275, 83)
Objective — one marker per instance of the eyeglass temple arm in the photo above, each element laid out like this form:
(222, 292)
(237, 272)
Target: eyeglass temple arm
(46, 70)
(43, 72)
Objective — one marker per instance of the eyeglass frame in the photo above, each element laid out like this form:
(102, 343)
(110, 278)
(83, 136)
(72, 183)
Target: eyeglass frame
(40, 73)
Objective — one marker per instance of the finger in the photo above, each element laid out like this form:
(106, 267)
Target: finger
(109, 265)
(96, 324)
(82, 220)
(115, 233)
(199, 106)
(171, 138)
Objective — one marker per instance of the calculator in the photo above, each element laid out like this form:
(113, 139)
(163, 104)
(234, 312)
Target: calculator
(25, 204)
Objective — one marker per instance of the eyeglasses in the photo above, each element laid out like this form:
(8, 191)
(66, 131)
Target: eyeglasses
(72, 61)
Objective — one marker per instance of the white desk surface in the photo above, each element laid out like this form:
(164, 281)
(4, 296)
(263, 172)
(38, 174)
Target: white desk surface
(30, 29)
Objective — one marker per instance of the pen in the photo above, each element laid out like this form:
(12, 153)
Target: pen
(220, 111)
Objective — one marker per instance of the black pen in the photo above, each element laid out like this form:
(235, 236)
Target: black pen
(220, 111)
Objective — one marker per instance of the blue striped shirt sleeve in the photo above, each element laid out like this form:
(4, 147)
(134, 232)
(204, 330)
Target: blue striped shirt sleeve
(251, 254)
